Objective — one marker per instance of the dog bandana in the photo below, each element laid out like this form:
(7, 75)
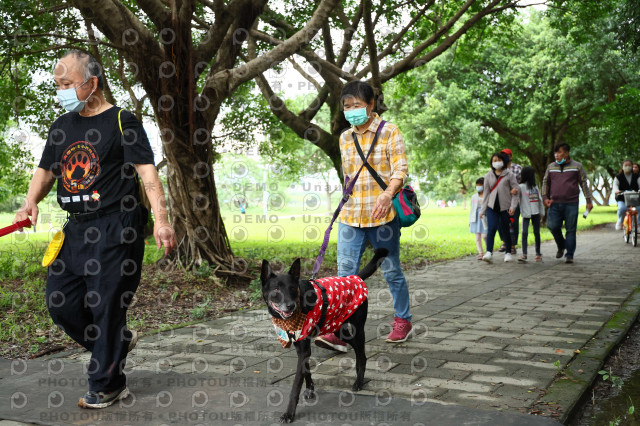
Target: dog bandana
(344, 296)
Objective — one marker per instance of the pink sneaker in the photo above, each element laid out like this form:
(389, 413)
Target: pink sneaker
(401, 330)
(330, 341)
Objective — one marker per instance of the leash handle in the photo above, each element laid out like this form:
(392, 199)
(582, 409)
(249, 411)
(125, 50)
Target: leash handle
(347, 189)
(13, 228)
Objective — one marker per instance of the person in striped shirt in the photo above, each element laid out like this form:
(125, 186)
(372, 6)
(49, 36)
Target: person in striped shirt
(369, 215)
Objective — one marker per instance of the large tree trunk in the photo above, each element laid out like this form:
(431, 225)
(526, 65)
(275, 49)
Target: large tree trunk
(186, 140)
(193, 204)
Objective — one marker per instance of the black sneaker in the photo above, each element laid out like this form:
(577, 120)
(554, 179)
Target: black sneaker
(568, 260)
(559, 253)
(94, 399)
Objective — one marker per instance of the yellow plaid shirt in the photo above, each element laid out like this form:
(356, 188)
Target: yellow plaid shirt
(388, 158)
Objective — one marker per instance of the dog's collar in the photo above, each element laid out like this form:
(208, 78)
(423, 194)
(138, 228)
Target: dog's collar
(289, 330)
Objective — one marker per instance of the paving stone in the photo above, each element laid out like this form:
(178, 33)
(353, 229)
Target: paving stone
(432, 382)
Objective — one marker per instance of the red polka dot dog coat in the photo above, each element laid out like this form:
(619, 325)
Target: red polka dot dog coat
(344, 296)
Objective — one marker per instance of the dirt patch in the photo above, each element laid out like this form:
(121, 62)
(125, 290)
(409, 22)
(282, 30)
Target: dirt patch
(163, 300)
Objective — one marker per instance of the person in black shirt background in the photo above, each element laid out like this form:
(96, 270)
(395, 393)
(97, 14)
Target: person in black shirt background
(96, 164)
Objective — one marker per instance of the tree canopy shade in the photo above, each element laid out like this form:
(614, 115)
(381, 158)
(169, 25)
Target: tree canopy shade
(185, 56)
(529, 92)
(369, 41)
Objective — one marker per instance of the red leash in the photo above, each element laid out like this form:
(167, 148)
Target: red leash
(13, 228)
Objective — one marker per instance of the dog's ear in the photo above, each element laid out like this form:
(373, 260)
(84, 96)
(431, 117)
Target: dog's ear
(265, 271)
(295, 269)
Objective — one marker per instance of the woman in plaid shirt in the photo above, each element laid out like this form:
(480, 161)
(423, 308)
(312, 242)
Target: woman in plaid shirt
(369, 215)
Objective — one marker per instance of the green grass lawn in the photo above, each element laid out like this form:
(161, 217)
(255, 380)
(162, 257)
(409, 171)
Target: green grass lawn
(439, 234)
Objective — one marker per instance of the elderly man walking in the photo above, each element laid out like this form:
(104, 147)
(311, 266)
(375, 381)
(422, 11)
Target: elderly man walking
(560, 193)
(97, 152)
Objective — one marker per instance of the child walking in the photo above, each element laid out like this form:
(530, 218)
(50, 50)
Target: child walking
(531, 209)
(477, 225)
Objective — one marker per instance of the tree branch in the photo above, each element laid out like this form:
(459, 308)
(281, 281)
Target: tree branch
(187, 8)
(66, 37)
(411, 61)
(316, 104)
(96, 54)
(304, 74)
(303, 128)
(328, 42)
(306, 53)
(389, 49)
(224, 82)
(157, 13)
(213, 39)
(349, 31)
(117, 22)
(372, 46)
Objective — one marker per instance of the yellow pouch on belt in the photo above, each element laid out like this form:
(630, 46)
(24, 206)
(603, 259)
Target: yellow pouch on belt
(54, 248)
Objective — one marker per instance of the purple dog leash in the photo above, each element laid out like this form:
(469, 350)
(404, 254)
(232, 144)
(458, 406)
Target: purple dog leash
(347, 189)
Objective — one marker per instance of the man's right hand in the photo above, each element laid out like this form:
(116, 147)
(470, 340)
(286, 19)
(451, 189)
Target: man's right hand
(548, 202)
(29, 209)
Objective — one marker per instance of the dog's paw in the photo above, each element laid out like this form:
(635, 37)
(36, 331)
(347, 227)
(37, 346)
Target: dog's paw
(357, 386)
(309, 394)
(287, 418)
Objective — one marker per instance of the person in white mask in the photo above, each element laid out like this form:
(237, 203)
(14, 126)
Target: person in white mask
(96, 152)
(498, 203)
(625, 180)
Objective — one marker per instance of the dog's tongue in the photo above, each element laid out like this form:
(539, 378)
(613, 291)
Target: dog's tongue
(283, 314)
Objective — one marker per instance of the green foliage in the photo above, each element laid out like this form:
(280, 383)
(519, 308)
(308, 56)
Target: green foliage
(618, 17)
(255, 289)
(558, 365)
(527, 92)
(615, 380)
(246, 115)
(295, 156)
(15, 172)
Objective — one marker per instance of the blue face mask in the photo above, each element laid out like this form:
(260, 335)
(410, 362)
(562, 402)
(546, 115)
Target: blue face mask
(68, 98)
(561, 161)
(356, 117)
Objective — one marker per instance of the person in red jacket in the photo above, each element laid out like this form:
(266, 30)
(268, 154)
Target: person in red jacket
(560, 193)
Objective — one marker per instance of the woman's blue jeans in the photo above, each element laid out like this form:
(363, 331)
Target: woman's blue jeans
(498, 221)
(622, 210)
(351, 244)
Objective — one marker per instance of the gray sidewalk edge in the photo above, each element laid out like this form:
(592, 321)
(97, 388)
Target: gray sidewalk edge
(568, 391)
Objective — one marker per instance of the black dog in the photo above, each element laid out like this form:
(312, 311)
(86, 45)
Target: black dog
(299, 309)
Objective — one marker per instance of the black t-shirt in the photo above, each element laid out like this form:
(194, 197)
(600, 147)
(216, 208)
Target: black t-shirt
(93, 161)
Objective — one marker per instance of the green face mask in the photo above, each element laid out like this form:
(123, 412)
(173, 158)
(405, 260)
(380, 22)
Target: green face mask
(356, 117)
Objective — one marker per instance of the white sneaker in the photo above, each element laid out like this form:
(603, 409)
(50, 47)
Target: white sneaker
(618, 226)
(487, 257)
(508, 257)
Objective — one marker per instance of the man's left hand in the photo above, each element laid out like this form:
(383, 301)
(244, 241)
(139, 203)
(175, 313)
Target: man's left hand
(165, 236)
(589, 206)
(382, 207)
